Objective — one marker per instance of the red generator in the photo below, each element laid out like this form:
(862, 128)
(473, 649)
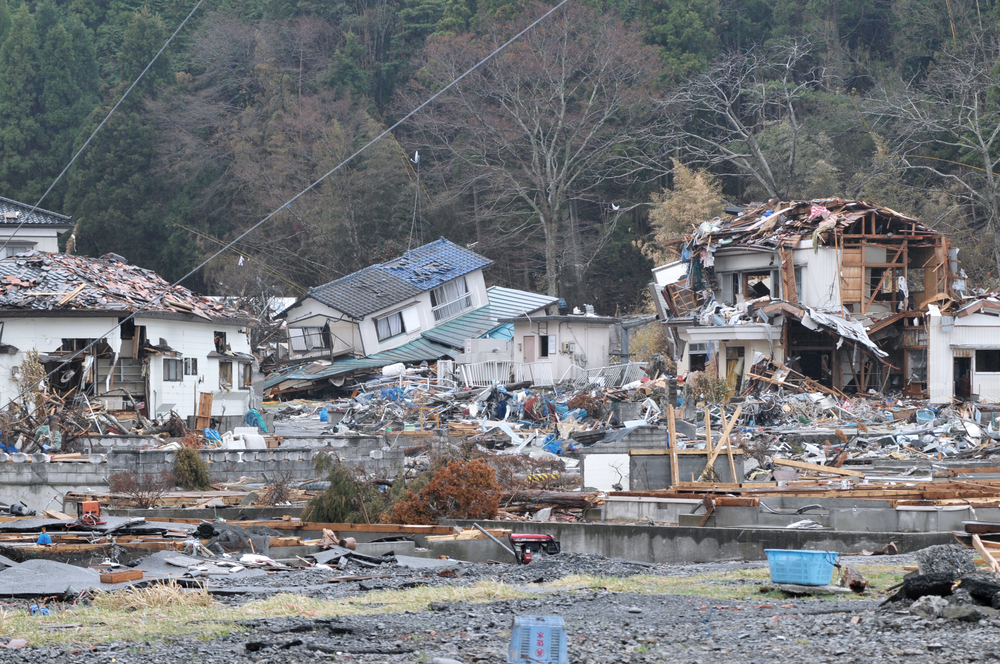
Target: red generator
(525, 545)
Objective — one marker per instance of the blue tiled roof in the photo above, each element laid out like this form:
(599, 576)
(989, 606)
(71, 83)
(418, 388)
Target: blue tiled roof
(385, 284)
(433, 264)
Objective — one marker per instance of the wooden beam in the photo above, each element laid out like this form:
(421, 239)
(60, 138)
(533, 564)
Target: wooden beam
(802, 465)
(977, 543)
(725, 438)
(675, 475)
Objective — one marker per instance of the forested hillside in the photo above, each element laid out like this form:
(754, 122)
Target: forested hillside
(566, 158)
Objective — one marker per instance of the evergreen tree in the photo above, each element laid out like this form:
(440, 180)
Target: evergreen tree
(19, 130)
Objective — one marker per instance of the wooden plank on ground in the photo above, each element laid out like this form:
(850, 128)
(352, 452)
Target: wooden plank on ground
(815, 467)
(985, 553)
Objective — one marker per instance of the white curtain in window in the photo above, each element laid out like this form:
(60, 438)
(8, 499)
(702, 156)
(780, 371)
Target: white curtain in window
(389, 326)
(451, 299)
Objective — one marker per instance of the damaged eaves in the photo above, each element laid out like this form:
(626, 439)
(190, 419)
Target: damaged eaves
(36, 282)
(841, 287)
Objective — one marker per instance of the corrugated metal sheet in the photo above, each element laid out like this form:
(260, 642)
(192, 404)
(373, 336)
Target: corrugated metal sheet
(509, 302)
(417, 350)
(467, 326)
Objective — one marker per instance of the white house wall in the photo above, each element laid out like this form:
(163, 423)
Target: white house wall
(344, 330)
(593, 345)
(195, 340)
(417, 309)
(949, 334)
(820, 275)
(39, 239)
(44, 335)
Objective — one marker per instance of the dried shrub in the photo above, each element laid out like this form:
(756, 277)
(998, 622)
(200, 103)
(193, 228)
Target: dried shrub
(278, 491)
(142, 491)
(711, 388)
(593, 405)
(29, 377)
(191, 470)
(160, 595)
(459, 490)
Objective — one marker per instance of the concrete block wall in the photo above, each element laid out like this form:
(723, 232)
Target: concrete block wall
(643, 438)
(42, 485)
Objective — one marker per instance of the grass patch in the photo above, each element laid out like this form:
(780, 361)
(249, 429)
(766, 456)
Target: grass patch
(165, 612)
(739, 584)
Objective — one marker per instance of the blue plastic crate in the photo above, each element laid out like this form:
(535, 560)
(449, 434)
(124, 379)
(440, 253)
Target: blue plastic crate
(805, 568)
(539, 639)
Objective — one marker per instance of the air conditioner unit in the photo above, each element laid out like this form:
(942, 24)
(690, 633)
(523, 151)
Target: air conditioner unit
(568, 347)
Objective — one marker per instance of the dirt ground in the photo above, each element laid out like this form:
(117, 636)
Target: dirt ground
(629, 613)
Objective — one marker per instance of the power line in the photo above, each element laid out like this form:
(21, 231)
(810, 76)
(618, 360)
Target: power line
(103, 122)
(156, 300)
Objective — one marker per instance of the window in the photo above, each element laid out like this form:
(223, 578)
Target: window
(226, 375)
(547, 346)
(190, 366)
(450, 299)
(758, 284)
(916, 365)
(220, 342)
(246, 374)
(173, 370)
(307, 338)
(389, 326)
(988, 361)
(798, 283)
(697, 356)
(15, 249)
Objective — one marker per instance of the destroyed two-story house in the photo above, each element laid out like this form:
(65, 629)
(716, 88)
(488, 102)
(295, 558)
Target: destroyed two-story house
(852, 295)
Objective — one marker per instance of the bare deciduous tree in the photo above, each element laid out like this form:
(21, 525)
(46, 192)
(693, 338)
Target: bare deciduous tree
(948, 126)
(725, 115)
(548, 123)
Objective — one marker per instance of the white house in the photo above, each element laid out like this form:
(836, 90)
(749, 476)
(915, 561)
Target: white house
(387, 305)
(178, 346)
(563, 346)
(22, 229)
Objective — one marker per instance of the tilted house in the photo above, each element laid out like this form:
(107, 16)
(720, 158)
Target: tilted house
(178, 346)
(387, 305)
(855, 296)
(424, 306)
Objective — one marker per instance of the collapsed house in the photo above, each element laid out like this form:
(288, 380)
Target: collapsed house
(421, 307)
(180, 352)
(855, 296)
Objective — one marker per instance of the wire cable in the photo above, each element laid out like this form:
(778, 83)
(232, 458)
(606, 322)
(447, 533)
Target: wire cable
(156, 300)
(103, 122)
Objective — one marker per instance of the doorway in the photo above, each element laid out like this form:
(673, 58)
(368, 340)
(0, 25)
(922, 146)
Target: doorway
(529, 349)
(963, 377)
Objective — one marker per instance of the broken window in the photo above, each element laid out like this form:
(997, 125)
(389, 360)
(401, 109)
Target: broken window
(173, 370)
(246, 375)
(758, 284)
(798, 283)
(226, 375)
(916, 366)
(697, 356)
(220, 342)
(389, 326)
(307, 338)
(988, 361)
(450, 299)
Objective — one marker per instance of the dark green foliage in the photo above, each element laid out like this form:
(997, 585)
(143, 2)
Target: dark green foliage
(191, 470)
(348, 499)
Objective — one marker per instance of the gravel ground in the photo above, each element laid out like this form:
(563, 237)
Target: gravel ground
(603, 626)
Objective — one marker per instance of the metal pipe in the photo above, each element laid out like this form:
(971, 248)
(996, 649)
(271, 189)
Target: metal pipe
(501, 544)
